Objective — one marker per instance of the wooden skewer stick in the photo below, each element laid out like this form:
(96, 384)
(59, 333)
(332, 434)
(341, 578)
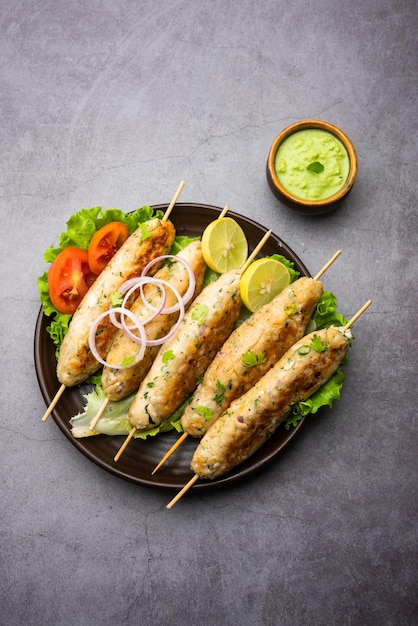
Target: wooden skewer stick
(183, 491)
(174, 200)
(99, 414)
(170, 452)
(357, 315)
(256, 251)
(125, 443)
(327, 265)
(195, 477)
(223, 212)
(54, 402)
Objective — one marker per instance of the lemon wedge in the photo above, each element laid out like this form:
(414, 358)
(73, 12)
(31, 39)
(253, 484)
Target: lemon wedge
(224, 245)
(262, 281)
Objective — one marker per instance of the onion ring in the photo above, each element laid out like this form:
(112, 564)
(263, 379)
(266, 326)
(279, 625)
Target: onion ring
(173, 329)
(192, 279)
(139, 326)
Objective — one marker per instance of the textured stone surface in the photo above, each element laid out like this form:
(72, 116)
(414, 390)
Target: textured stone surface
(112, 104)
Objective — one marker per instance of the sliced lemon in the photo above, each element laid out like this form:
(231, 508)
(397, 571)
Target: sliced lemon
(262, 281)
(224, 245)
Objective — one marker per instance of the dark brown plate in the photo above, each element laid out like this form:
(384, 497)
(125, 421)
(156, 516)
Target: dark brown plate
(140, 457)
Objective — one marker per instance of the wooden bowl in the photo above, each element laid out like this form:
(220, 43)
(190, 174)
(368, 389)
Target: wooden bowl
(300, 204)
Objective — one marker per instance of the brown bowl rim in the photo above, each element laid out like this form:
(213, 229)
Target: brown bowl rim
(302, 125)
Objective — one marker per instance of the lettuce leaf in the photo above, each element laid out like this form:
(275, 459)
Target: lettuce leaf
(294, 274)
(114, 420)
(82, 225)
(326, 314)
(325, 396)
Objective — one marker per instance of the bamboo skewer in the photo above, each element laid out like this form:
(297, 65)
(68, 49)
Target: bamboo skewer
(195, 477)
(184, 435)
(357, 315)
(99, 414)
(54, 402)
(61, 390)
(173, 202)
(248, 261)
(170, 452)
(327, 265)
(124, 445)
(183, 491)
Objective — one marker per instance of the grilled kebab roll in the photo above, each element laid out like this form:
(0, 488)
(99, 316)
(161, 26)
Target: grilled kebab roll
(252, 419)
(76, 362)
(183, 358)
(250, 351)
(119, 383)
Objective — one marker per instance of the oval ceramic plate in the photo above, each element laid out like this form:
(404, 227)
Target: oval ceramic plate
(140, 457)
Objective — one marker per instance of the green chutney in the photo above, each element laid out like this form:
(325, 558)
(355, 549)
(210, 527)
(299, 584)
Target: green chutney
(312, 164)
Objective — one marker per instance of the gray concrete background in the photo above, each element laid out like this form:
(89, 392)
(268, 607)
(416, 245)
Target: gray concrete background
(112, 104)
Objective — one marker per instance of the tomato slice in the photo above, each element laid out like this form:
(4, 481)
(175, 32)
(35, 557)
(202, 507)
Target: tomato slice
(105, 243)
(69, 279)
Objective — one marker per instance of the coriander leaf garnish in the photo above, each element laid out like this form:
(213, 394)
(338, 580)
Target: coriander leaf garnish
(167, 356)
(315, 167)
(205, 412)
(200, 313)
(128, 360)
(252, 358)
(116, 298)
(219, 396)
(318, 345)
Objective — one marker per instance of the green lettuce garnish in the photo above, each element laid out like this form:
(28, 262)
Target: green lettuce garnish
(82, 225)
(80, 229)
(114, 420)
(323, 397)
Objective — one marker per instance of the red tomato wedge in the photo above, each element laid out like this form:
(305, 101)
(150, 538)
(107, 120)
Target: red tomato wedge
(69, 279)
(105, 243)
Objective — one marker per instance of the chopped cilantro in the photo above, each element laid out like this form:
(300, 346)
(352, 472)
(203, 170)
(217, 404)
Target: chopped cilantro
(205, 412)
(251, 358)
(315, 167)
(200, 313)
(116, 298)
(219, 396)
(128, 360)
(317, 344)
(168, 356)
